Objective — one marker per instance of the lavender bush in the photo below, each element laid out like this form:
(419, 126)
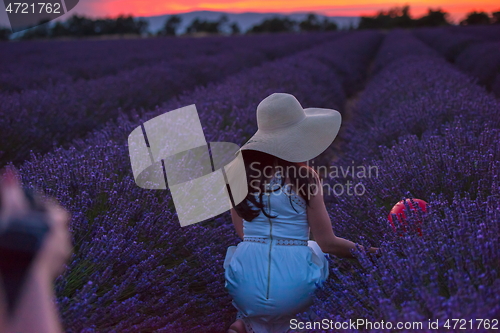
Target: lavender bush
(134, 268)
(458, 159)
(488, 32)
(481, 61)
(69, 61)
(464, 46)
(399, 44)
(448, 44)
(449, 272)
(358, 46)
(352, 60)
(415, 94)
(87, 105)
(495, 88)
(432, 134)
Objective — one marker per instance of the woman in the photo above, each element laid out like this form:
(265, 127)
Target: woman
(273, 273)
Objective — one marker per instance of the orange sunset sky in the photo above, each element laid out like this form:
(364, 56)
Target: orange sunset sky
(457, 8)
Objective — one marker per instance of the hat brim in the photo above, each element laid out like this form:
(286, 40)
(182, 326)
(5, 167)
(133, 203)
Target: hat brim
(302, 141)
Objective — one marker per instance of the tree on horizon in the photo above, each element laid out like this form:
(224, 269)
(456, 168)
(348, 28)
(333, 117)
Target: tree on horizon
(171, 25)
(213, 27)
(476, 18)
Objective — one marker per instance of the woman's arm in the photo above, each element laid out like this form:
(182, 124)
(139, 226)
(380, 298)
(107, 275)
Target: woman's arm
(321, 228)
(237, 222)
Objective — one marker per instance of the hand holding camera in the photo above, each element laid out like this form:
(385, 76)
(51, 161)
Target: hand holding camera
(34, 245)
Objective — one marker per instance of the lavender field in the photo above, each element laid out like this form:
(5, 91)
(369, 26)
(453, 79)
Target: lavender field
(418, 105)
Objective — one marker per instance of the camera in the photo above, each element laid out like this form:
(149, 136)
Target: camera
(20, 239)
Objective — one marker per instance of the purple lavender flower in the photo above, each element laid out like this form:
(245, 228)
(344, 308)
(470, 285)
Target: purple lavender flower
(481, 61)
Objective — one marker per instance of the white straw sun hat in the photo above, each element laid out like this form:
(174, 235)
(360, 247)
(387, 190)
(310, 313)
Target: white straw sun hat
(292, 133)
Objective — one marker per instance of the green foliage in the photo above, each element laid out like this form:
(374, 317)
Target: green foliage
(312, 23)
(81, 26)
(396, 17)
(495, 17)
(328, 25)
(235, 28)
(284, 24)
(475, 18)
(399, 17)
(171, 25)
(434, 18)
(213, 27)
(274, 24)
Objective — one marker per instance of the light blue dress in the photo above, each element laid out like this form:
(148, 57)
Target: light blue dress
(273, 273)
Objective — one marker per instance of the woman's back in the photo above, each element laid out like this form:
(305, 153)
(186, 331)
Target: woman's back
(289, 209)
(273, 273)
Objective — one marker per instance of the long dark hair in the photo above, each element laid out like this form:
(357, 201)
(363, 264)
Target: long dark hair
(260, 168)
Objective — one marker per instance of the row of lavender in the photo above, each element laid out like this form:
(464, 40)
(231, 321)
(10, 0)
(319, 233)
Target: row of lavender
(474, 51)
(134, 269)
(54, 115)
(488, 32)
(34, 65)
(428, 132)
(482, 61)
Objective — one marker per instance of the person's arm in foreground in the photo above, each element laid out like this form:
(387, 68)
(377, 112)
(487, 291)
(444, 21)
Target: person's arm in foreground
(321, 228)
(36, 310)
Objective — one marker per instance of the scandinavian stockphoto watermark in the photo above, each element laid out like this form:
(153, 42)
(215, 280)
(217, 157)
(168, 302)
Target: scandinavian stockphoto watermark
(171, 149)
(346, 179)
(343, 180)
